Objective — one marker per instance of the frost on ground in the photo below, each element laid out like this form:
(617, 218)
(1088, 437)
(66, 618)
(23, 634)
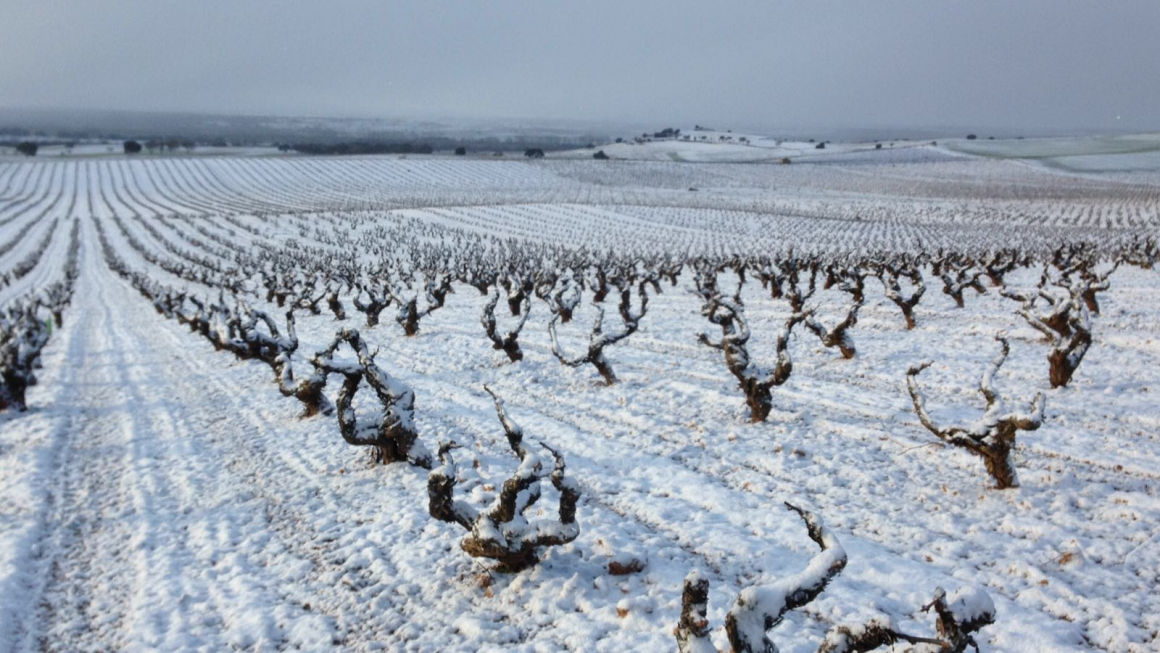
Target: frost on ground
(162, 493)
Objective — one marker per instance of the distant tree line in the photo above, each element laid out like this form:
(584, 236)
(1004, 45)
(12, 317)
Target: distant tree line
(158, 145)
(30, 148)
(249, 132)
(358, 147)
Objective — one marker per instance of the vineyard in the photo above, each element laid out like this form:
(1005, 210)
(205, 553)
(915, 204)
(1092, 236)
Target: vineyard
(467, 403)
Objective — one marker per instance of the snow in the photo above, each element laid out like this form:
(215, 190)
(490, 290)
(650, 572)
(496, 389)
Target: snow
(969, 603)
(162, 495)
(709, 145)
(1135, 156)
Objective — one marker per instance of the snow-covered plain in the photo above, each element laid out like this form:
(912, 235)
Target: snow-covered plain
(707, 146)
(160, 495)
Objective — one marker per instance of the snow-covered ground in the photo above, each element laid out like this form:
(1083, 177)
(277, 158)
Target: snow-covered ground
(161, 495)
(1136, 153)
(705, 146)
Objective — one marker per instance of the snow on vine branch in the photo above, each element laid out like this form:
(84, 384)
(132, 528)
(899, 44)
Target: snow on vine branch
(755, 382)
(391, 431)
(508, 342)
(839, 336)
(992, 437)
(890, 275)
(760, 608)
(598, 339)
(968, 610)
(501, 532)
(1066, 326)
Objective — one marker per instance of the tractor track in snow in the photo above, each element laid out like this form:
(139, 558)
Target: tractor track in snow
(124, 466)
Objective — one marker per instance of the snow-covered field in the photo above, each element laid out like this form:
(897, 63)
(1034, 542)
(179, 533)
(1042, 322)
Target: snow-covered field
(707, 146)
(161, 495)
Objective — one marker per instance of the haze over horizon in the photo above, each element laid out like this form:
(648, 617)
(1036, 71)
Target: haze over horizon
(1040, 65)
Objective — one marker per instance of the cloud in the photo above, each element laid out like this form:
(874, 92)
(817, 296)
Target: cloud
(1036, 64)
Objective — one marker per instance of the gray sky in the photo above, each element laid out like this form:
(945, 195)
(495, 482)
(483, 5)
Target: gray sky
(1035, 64)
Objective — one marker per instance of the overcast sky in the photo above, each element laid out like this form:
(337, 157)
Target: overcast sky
(1034, 64)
